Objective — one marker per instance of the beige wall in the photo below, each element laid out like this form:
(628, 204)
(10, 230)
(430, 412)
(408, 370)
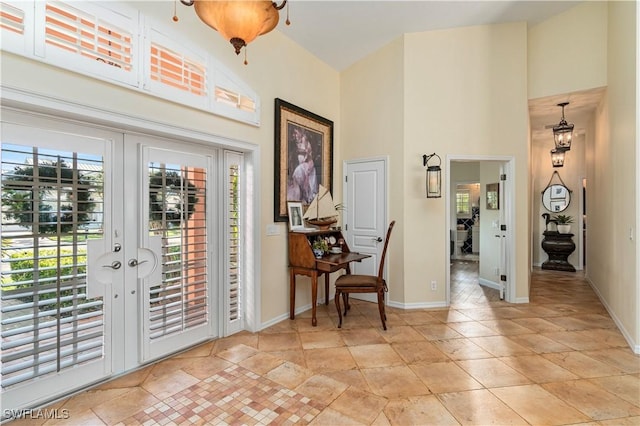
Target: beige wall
(601, 41)
(462, 91)
(371, 105)
(297, 77)
(568, 52)
(612, 245)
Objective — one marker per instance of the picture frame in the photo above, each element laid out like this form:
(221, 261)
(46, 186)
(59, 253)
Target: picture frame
(303, 156)
(558, 192)
(295, 213)
(493, 196)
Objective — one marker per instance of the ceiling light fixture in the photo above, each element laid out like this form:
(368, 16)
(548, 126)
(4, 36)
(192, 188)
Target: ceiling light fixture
(563, 132)
(557, 157)
(239, 21)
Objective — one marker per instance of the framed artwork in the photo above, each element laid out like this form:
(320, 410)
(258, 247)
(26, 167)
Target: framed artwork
(558, 192)
(295, 212)
(493, 196)
(303, 156)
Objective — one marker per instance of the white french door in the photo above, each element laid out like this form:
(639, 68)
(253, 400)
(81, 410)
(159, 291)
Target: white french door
(57, 197)
(173, 260)
(117, 249)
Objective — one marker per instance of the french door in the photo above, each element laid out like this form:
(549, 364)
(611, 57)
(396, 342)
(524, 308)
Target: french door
(110, 256)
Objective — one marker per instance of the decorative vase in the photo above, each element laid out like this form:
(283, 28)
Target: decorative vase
(564, 228)
(318, 253)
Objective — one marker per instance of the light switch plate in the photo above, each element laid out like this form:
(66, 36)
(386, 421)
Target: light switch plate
(273, 229)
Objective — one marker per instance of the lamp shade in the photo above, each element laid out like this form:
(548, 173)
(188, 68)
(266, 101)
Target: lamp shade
(433, 182)
(240, 22)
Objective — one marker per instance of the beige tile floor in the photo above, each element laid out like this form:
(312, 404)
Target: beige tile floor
(557, 360)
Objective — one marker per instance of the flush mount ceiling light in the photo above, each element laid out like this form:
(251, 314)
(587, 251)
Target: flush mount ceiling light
(563, 132)
(557, 157)
(239, 21)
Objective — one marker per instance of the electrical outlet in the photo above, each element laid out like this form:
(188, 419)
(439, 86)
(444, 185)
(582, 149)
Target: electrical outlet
(434, 285)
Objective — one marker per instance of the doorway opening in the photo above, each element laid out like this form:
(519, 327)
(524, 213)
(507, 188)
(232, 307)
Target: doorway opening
(479, 214)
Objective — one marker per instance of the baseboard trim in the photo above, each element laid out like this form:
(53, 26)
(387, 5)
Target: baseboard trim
(635, 347)
(279, 318)
(489, 283)
(421, 305)
(522, 299)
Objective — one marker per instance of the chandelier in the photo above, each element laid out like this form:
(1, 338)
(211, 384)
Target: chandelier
(239, 21)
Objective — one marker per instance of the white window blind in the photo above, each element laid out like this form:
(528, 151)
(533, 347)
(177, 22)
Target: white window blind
(51, 205)
(234, 235)
(176, 70)
(75, 31)
(113, 42)
(177, 213)
(15, 26)
(11, 19)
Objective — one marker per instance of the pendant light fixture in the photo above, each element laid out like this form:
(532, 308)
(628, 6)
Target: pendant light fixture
(434, 180)
(563, 132)
(238, 21)
(557, 157)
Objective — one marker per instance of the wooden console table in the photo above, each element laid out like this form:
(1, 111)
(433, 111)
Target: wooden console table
(303, 262)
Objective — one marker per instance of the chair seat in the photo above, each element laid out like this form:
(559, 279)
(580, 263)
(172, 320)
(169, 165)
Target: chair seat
(351, 280)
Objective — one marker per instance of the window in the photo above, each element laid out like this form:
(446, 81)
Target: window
(463, 202)
(113, 42)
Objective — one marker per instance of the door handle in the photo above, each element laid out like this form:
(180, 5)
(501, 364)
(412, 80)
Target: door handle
(134, 262)
(114, 265)
(377, 239)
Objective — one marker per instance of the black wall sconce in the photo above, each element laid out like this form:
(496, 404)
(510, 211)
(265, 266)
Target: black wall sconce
(557, 157)
(434, 180)
(563, 132)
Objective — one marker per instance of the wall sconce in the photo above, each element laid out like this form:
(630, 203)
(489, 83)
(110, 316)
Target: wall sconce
(433, 176)
(557, 157)
(563, 132)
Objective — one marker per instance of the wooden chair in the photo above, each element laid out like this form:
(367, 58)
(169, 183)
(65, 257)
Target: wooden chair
(350, 283)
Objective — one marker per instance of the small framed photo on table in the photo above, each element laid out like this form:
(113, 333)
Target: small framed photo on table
(294, 209)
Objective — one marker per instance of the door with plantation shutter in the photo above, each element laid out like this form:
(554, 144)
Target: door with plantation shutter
(57, 200)
(177, 296)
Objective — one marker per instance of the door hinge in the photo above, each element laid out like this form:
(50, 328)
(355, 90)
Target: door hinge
(503, 278)
(346, 226)
(503, 227)
(503, 177)
(346, 178)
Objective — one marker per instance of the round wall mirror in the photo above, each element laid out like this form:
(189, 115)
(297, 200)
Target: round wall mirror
(556, 198)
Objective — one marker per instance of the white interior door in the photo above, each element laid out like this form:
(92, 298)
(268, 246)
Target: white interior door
(365, 200)
(58, 331)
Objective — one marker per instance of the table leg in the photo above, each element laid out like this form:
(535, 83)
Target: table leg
(314, 297)
(326, 288)
(292, 293)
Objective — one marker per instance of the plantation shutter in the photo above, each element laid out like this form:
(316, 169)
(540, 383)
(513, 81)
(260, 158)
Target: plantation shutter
(16, 26)
(89, 38)
(233, 237)
(52, 203)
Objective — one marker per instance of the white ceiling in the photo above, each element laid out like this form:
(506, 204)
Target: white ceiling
(342, 32)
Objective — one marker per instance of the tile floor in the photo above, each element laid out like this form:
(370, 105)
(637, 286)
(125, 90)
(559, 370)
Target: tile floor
(557, 360)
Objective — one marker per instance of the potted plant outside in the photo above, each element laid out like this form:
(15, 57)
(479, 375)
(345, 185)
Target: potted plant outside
(563, 223)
